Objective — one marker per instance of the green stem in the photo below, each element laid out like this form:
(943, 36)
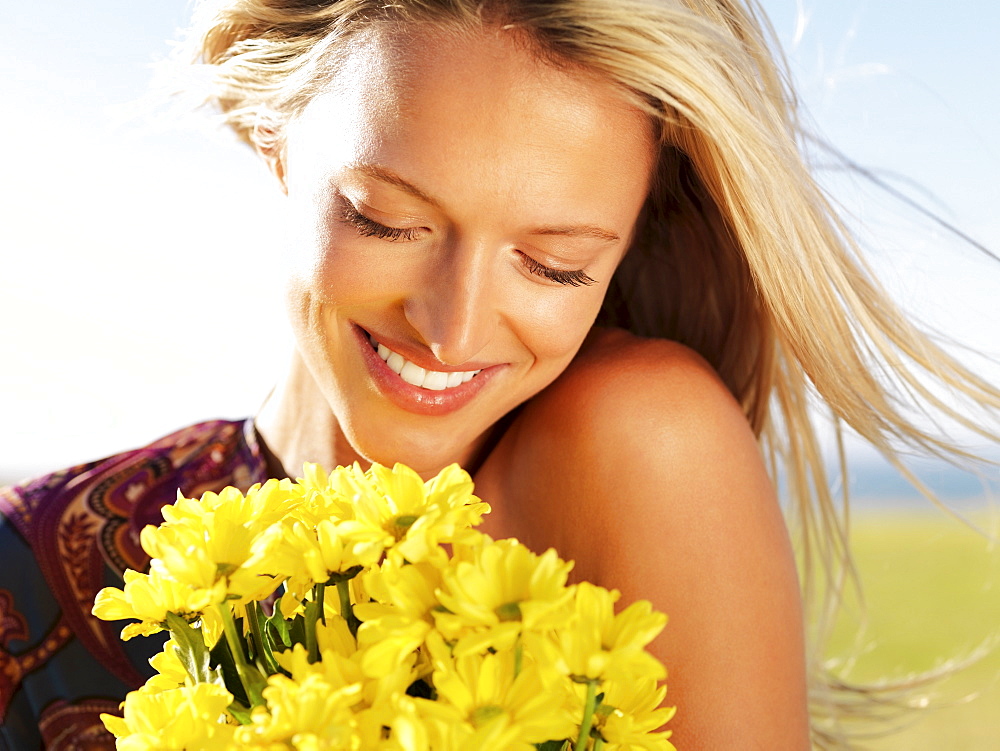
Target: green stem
(518, 657)
(312, 615)
(236, 648)
(321, 599)
(346, 609)
(598, 743)
(588, 716)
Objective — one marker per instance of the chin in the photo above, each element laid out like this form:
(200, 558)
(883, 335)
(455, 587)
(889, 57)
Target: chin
(425, 454)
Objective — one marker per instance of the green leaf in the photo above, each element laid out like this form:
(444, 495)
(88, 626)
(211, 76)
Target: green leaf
(276, 630)
(297, 630)
(260, 641)
(240, 711)
(222, 657)
(191, 649)
(256, 683)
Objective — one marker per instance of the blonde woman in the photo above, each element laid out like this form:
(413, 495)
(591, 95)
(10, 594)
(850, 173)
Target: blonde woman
(571, 245)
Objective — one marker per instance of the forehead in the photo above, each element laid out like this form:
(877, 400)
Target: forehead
(426, 98)
(488, 69)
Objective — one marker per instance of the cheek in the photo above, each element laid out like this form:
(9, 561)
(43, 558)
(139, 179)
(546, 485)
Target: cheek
(323, 256)
(335, 268)
(555, 327)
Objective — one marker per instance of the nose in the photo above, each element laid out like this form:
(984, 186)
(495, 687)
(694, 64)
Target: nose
(454, 307)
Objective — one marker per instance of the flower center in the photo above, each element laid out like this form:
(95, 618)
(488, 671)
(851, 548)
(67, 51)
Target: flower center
(482, 715)
(509, 611)
(401, 524)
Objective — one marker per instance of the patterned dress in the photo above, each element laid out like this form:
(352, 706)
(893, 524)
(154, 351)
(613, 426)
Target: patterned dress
(65, 536)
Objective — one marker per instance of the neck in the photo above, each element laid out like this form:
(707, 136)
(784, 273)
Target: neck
(297, 425)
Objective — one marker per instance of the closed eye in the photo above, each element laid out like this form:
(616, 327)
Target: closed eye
(367, 227)
(571, 278)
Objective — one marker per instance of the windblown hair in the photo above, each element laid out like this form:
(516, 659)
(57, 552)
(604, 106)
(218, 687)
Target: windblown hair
(739, 254)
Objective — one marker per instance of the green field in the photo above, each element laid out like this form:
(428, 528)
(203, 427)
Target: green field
(932, 588)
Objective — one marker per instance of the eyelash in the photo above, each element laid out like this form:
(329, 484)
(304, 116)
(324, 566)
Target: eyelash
(370, 228)
(576, 278)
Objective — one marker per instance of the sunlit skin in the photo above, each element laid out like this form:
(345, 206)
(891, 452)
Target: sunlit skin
(441, 196)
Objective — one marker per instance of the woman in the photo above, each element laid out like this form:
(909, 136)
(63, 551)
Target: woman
(471, 187)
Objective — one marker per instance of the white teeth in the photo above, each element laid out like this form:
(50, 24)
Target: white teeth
(435, 380)
(395, 361)
(413, 374)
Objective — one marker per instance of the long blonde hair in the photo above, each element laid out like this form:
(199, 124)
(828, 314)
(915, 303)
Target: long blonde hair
(738, 254)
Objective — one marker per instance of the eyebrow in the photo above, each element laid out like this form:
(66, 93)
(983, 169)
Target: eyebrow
(585, 230)
(390, 177)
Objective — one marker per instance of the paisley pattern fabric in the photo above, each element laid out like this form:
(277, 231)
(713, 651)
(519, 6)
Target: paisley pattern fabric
(65, 536)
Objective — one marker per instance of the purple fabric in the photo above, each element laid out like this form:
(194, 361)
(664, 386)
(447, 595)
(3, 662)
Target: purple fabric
(63, 537)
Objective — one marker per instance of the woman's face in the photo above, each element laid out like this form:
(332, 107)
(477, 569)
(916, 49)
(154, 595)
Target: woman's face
(463, 206)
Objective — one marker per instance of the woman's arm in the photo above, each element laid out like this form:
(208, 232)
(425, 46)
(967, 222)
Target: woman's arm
(640, 466)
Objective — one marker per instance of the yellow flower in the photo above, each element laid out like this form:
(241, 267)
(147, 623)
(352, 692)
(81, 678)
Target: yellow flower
(149, 597)
(381, 660)
(327, 496)
(309, 555)
(335, 636)
(498, 708)
(408, 591)
(170, 671)
(389, 642)
(492, 631)
(498, 591)
(310, 713)
(396, 511)
(186, 717)
(211, 540)
(393, 725)
(630, 713)
(340, 665)
(261, 506)
(335, 667)
(399, 616)
(289, 605)
(602, 645)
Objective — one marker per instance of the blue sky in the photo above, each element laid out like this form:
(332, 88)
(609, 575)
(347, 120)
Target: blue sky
(132, 263)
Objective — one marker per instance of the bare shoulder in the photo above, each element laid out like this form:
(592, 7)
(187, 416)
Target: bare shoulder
(650, 378)
(626, 401)
(640, 465)
(651, 420)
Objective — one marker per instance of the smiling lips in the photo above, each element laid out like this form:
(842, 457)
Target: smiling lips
(413, 374)
(417, 389)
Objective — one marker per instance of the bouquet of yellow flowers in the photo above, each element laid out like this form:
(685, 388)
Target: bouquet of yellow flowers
(398, 627)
